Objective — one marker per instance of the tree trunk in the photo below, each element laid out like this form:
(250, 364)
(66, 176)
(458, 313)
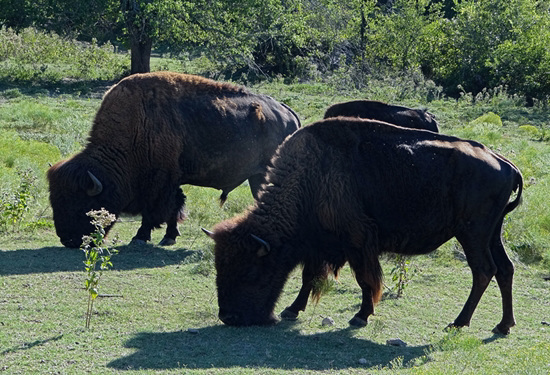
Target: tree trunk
(139, 31)
(141, 56)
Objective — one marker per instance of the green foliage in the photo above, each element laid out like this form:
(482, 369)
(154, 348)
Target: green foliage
(494, 43)
(454, 340)
(536, 133)
(401, 273)
(31, 55)
(14, 207)
(400, 37)
(95, 251)
(488, 118)
(473, 45)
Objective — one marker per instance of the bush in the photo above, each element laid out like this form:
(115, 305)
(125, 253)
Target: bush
(14, 206)
(494, 43)
(31, 55)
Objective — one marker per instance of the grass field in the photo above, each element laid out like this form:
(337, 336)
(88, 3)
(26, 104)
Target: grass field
(161, 317)
(160, 312)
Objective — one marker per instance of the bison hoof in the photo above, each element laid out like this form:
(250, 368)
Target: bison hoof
(289, 315)
(137, 241)
(357, 322)
(167, 241)
(501, 330)
(455, 327)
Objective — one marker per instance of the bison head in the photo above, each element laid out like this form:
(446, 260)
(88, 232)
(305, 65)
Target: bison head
(248, 279)
(430, 123)
(74, 191)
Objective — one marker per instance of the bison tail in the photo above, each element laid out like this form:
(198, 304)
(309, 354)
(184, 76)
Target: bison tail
(517, 188)
(223, 198)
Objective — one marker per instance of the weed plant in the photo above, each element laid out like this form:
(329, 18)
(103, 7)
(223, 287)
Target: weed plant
(401, 273)
(95, 251)
(13, 207)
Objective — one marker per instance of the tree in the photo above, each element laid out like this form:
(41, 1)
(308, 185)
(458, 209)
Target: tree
(87, 20)
(139, 24)
(138, 19)
(495, 43)
(399, 38)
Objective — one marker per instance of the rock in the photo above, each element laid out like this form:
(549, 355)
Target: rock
(362, 361)
(194, 331)
(328, 321)
(396, 342)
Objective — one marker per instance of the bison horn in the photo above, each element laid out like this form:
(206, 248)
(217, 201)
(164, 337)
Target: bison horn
(97, 188)
(208, 233)
(265, 249)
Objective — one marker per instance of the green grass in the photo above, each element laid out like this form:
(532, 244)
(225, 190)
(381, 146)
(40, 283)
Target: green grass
(158, 296)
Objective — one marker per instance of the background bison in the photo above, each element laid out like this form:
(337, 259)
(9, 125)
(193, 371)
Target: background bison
(346, 190)
(155, 132)
(393, 114)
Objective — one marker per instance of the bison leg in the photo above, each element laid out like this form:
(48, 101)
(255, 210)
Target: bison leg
(483, 269)
(172, 232)
(143, 234)
(177, 215)
(153, 216)
(300, 303)
(370, 280)
(504, 276)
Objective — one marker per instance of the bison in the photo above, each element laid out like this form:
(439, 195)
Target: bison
(155, 132)
(393, 114)
(347, 190)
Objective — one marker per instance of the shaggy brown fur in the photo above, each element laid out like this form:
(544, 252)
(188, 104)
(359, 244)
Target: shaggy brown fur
(154, 132)
(347, 190)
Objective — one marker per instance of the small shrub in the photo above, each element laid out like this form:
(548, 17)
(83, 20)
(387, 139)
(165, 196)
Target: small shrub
(35, 56)
(530, 130)
(488, 118)
(95, 251)
(14, 207)
(12, 93)
(401, 273)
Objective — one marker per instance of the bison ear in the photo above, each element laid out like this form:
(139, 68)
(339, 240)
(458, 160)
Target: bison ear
(208, 233)
(265, 249)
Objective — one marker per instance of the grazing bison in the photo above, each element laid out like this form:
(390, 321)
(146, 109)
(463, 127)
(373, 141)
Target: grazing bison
(393, 114)
(155, 132)
(340, 191)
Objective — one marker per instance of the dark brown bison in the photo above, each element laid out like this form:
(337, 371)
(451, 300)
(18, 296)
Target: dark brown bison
(340, 191)
(154, 132)
(393, 114)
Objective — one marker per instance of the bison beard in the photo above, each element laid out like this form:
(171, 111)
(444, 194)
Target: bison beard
(347, 190)
(155, 132)
(393, 114)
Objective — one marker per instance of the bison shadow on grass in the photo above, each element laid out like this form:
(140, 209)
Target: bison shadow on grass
(59, 259)
(274, 348)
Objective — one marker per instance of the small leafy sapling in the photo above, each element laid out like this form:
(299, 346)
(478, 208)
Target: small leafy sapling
(96, 251)
(402, 273)
(14, 207)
